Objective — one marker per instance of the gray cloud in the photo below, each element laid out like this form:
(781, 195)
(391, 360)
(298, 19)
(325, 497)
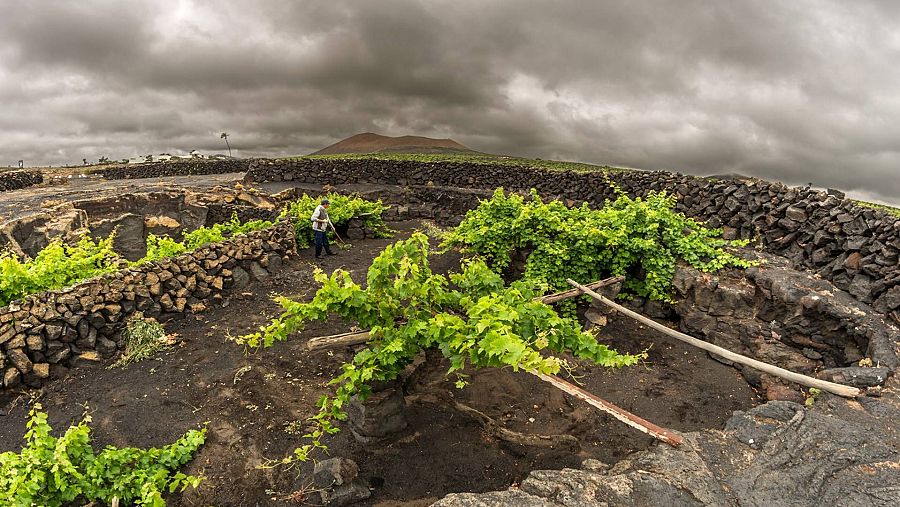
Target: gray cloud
(796, 91)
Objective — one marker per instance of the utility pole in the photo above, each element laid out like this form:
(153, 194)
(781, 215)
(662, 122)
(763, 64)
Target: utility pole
(225, 137)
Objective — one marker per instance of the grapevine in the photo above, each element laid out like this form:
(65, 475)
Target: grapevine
(57, 265)
(471, 316)
(343, 208)
(60, 265)
(161, 247)
(53, 471)
(640, 238)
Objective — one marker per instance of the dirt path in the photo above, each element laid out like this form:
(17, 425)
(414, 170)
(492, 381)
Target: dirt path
(252, 403)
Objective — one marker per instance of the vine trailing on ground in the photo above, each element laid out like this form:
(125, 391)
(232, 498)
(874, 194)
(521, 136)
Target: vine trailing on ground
(60, 265)
(57, 265)
(51, 471)
(472, 317)
(341, 210)
(640, 238)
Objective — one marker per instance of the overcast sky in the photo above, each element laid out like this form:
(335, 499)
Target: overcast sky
(798, 91)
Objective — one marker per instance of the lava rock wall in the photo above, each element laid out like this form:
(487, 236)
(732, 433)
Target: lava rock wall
(445, 206)
(782, 316)
(181, 168)
(856, 248)
(14, 180)
(53, 329)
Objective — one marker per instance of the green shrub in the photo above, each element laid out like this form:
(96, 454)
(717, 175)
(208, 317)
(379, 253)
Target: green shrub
(641, 238)
(341, 210)
(161, 247)
(53, 471)
(57, 265)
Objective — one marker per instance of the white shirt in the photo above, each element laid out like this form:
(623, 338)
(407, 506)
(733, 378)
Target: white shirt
(321, 214)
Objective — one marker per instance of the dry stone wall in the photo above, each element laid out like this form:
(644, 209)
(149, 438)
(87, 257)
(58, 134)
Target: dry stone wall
(14, 180)
(51, 330)
(180, 168)
(446, 206)
(222, 212)
(856, 248)
(783, 316)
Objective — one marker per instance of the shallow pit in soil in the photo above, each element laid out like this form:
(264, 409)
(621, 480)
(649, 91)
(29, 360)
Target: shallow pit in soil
(252, 412)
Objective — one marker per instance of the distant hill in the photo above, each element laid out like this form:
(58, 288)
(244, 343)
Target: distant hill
(375, 143)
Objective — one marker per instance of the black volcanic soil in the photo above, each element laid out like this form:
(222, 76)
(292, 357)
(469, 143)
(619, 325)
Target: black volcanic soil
(441, 451)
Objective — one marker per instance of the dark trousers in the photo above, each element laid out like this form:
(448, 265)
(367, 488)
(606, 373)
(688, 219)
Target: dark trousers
(322, 242)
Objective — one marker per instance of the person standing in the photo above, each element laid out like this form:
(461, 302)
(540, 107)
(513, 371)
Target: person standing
(320, 223)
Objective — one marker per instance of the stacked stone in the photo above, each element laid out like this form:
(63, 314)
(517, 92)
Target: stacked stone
(856, 248)
(222, 212)
(782, 316)
(54, 328)
(14, 180)
(444, 205)
(179, 168)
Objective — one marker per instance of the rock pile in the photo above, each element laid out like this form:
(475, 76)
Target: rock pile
(855, 247)
(14, 180)
(51, 329)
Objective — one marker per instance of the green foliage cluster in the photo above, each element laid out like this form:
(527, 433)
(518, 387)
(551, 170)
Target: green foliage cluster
(57, 265)
(467, 158)
(60, 265)
(472, 317)
(341, 209)
(810, 400)
(53, 471)
(640, 238)
(161, 247)
(143, 338)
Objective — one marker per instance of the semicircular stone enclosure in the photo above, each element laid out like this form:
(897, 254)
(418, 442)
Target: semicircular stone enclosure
(823, 301)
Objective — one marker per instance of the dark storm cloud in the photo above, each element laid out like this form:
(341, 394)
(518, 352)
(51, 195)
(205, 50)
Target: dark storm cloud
(797, 91)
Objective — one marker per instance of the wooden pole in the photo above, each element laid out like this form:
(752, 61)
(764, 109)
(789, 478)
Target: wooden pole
(559, 296)
(358, 337)
(619, 413)
(831, 387)
(337, 340)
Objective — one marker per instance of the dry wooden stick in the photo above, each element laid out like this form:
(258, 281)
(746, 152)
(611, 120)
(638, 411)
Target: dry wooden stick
(831, 387)
(336, 340)
(619, 413)
(571, 293)
(358, 337)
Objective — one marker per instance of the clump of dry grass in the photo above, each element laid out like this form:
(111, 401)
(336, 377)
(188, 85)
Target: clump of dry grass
(143, 338)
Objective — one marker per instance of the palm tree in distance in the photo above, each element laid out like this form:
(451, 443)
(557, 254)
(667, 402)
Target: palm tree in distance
(225, 137)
